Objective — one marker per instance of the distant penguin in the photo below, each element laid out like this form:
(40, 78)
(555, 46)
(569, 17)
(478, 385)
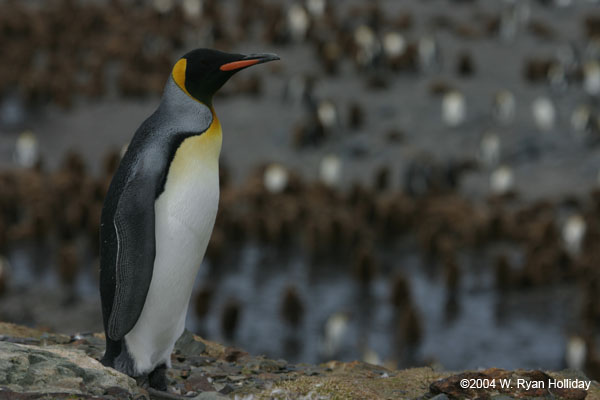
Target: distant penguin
(575, 352)
(327, 115)
(27, 150)
(192, 9)
(502, 180)
(275, 178)
(489, 149)
(394, 45)
(454, 109)
(291, 309)
(429, 53)
(330, 170)
(367, 45)
(230, 318)
(335, 331)
(544, 113)
(158, 216)
(504, 107)
(316, 7)
(573, 233)
(298, 22)
(163, 6)
(591, 78)
(581, 119)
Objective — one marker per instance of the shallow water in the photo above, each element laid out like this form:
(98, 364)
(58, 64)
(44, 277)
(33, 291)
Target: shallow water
(530, 333)
(524, 329)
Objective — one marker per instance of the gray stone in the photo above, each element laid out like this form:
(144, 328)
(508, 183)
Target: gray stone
(187, 345)
(210, 396)
(440, 396)
(54, 369)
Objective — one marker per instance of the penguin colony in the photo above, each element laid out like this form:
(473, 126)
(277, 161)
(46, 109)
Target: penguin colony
(364, 220)
(381, 43)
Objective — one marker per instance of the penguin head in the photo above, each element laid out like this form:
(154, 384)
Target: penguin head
(201, 72)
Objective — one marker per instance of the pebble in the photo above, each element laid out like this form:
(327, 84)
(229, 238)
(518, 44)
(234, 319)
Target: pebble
(440, 396)
(210, 396)
(186, 344)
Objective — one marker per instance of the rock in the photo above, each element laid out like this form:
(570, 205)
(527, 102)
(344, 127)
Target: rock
(198, 382)
(13, 332)
(233, 354)
(186, 344)
(210, 396)
(60, 370)
(520, 384)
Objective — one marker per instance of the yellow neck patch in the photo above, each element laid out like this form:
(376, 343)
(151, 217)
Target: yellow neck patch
(179, 75)
(196, 156)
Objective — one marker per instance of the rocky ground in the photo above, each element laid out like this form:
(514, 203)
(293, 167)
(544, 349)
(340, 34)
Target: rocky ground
(41, 365)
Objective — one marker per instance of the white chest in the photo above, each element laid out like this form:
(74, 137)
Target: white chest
(190, 199)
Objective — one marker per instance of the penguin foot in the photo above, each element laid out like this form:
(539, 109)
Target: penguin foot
(106, 362)
(157, 379)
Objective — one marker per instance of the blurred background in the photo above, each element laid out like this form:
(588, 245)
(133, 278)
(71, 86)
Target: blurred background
(414, 183)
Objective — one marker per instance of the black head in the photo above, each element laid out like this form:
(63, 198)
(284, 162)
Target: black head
(201, 72)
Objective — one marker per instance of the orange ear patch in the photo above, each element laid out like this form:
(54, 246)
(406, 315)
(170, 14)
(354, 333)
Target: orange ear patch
(179, 74)
(238, 64)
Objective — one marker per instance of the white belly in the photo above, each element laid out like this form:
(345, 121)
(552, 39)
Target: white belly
(185, 214)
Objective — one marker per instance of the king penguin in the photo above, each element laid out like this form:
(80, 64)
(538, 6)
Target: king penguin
(158, 216)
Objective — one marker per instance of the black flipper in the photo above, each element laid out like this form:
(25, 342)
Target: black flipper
(134, 228)
(127, 232)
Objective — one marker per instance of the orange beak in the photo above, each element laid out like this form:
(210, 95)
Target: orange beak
(247, 61)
